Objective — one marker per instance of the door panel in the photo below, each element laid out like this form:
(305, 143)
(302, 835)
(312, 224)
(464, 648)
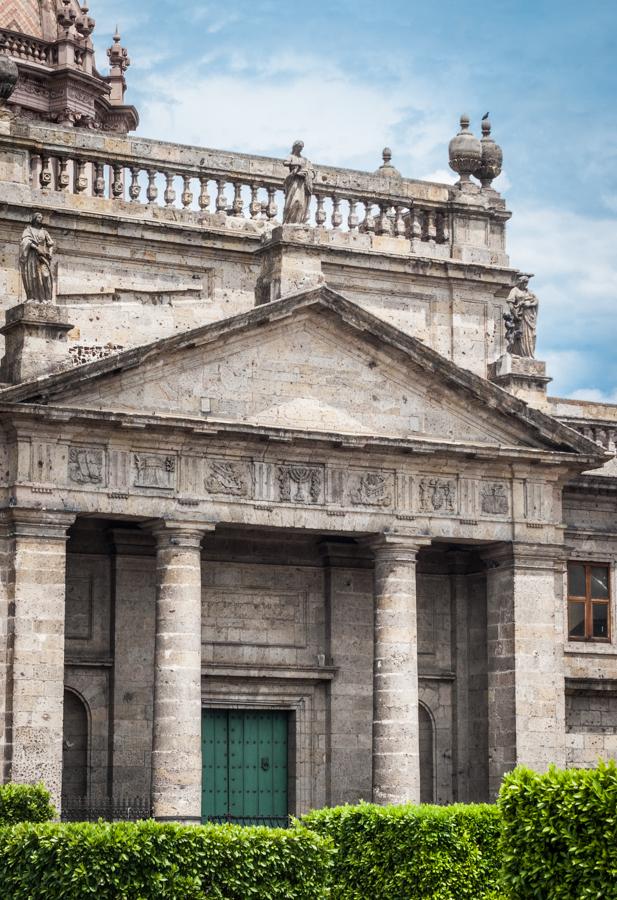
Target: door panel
(245, 764)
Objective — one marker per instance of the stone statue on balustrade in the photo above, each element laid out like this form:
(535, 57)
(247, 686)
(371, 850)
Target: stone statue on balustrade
(298, 186)
(35, 255)
(522, 320)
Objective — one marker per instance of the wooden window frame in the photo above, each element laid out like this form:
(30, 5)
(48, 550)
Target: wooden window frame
(589, 601)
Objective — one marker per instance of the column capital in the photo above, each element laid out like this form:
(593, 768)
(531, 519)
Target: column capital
(180, 533)
(397, 545)
(38, 523)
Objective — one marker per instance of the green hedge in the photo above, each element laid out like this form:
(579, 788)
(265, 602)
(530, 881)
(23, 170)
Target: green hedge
(24, 803)
(409, 852)
(559, 833)
(147, 861)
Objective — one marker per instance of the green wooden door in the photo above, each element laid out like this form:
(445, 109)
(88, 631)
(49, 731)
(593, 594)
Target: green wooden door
(245, 765)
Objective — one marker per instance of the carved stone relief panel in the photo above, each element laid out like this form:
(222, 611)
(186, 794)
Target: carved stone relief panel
(86, 465)
(228, 479)
(371, 489)
(437, 496)
(153, 470)
(494, 499)
(300, 484)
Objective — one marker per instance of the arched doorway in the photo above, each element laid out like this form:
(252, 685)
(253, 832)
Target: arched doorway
(74, 747)
(427, 755)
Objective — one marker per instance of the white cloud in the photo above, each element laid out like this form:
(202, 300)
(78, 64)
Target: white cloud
(595, 395)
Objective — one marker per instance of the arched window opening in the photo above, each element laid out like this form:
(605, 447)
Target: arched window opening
(74, 747)
(427, 755)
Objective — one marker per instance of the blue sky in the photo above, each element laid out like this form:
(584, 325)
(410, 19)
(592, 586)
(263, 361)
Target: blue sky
(350, 76)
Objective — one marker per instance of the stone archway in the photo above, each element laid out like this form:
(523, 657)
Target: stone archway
(427, 755)
(75, 746)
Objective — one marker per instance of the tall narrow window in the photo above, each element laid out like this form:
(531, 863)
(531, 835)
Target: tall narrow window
(588, 602)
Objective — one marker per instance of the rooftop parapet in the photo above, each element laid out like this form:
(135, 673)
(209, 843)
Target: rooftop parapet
(142, 178)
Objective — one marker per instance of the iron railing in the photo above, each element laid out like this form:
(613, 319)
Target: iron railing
(268, 821)
(91, 809)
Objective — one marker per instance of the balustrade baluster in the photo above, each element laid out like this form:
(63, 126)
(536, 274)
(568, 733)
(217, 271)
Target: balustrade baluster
(46, 176)
(415, 225)
(271, 207)
(117, 184)
(237, 208)
(431, 227)
(337, 218)
(255, 207)
(400, 229)
(99, 179)
(170, 191)
(63, 173)
(443, 234)
(187, 194)
(384, 223)
(221, 199)
(368, 224)
(152, 191)
(204, 196)
(353, 220)
(320, 212)
(135, 188)
(80, 177)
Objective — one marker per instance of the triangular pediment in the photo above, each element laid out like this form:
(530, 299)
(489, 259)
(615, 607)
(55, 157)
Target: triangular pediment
(315, 362)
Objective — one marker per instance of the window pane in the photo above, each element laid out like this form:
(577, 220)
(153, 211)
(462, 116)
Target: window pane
(576, 620)
(600, 620)
(576, 580)
(599, 582)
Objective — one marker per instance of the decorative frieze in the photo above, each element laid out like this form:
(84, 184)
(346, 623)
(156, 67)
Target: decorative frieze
(437, 495)
(232, 479)
(494, 499)
(86, 465)
(372, 489)
(155, 471)
(299, 484)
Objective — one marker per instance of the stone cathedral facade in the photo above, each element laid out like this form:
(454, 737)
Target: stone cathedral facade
(288, 516)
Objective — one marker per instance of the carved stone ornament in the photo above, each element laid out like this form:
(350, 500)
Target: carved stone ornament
(35, 254)
(465, 152)
(86, 465)
(494, 499)
(227, 478)
(372, 490)
(152, 470)
(522, 320)
(9, 74)
(299, 484)
(437, 495)
(298, 186)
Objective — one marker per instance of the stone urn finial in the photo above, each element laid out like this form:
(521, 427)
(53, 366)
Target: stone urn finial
(492, 156)
(465, 152)
(387, 168)
(9, 73)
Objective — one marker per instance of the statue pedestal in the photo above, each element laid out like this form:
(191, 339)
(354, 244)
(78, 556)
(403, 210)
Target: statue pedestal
(523, 377)
(35, 342)
(290, 262)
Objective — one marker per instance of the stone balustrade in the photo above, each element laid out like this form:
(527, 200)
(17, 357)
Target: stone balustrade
(603, 433)
(137, 175)
(27, 48)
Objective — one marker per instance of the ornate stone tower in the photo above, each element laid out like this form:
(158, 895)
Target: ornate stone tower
(51, 43)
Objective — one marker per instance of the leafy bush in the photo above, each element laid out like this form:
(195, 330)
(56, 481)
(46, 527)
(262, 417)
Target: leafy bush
(412, 852)
(148, 861)
(560, 833)
(24, 803)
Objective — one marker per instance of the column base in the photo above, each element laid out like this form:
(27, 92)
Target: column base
(524, 378)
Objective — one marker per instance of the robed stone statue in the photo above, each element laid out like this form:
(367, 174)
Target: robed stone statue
(35, 253)
(298, 186)
(522, 320)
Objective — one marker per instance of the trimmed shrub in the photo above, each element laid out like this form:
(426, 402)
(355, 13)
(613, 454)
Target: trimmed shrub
(559, 833)
(24, 803)
(148, 861)
(412, 852)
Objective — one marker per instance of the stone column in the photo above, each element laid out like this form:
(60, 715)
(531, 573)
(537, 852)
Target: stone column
(36, 590)
(526, 691)
(396, 750)
(176, 729)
